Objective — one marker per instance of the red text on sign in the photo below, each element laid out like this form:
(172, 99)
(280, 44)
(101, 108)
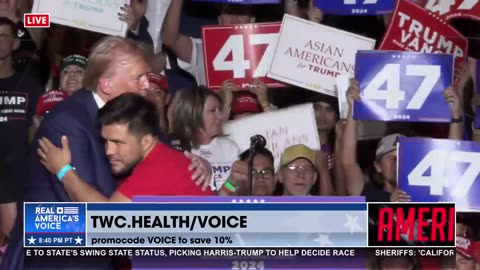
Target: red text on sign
(395, 223)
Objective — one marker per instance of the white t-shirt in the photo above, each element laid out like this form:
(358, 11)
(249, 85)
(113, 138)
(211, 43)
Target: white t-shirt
(221, 153)
(196, 66)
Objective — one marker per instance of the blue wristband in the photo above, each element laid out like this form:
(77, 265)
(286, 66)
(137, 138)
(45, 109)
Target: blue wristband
(64, 171)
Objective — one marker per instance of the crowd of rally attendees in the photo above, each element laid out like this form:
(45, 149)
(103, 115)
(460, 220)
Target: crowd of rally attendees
(133, 121)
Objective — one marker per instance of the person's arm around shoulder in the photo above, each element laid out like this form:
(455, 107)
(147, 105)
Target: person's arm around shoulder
(58, 160)
(180, 44)
(63, 124)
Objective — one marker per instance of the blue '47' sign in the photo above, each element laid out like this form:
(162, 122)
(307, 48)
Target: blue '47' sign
(244, 2)
(356, 7)
(403, 86)
(476, 73)
(432, 170)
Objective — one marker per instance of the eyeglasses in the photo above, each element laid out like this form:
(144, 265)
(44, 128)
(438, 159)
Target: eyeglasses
(297, 168)
(265, 174)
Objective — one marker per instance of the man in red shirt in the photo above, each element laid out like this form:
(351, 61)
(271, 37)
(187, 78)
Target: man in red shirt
(129, 124)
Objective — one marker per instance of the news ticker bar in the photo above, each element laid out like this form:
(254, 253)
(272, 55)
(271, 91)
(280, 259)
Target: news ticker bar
(135, 225)
(246, 258)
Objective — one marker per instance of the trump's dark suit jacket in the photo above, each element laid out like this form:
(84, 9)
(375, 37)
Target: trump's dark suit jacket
(76, 117)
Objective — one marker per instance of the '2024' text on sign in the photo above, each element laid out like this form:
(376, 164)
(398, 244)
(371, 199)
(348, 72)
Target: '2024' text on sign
(356, 7)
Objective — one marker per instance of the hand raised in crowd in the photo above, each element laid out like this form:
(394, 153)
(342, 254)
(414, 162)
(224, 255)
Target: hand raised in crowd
(259, 88)
(339, 128)
(462, 75)
(314, 13)
(399, 196)
(132, 14)
(202, 170)
(228, 87)
(239, 175)
(52, 157)
(322, 161)
(353, 92)
(475, 102)
(451, 96)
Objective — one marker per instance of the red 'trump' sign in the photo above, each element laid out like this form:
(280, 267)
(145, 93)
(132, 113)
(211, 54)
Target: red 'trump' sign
(413, 29)
(239, 52)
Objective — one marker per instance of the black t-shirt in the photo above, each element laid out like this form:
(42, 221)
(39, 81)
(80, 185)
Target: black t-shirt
(10, 191)
(375, 194)
(18, 98)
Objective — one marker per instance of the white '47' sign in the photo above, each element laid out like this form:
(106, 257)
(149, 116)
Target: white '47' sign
(403, 86)
(432, 170)
(448, 9)
(240, 53)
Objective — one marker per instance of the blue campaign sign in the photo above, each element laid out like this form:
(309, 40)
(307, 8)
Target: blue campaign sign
(54, 224)
(356, 7)
(403, 86)
(476, 73)
(243, 2)
(432, 170)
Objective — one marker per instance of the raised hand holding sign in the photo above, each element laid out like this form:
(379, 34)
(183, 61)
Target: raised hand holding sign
(403, 86)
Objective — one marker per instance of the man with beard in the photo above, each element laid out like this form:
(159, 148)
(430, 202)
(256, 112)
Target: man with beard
(129, 124)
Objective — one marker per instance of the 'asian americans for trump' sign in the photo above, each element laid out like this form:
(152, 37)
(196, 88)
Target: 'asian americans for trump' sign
(311, 55)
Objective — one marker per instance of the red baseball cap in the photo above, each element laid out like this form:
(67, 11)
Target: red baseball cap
(245, 103)
(465, 247)
(159, 80)
(48, 100)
